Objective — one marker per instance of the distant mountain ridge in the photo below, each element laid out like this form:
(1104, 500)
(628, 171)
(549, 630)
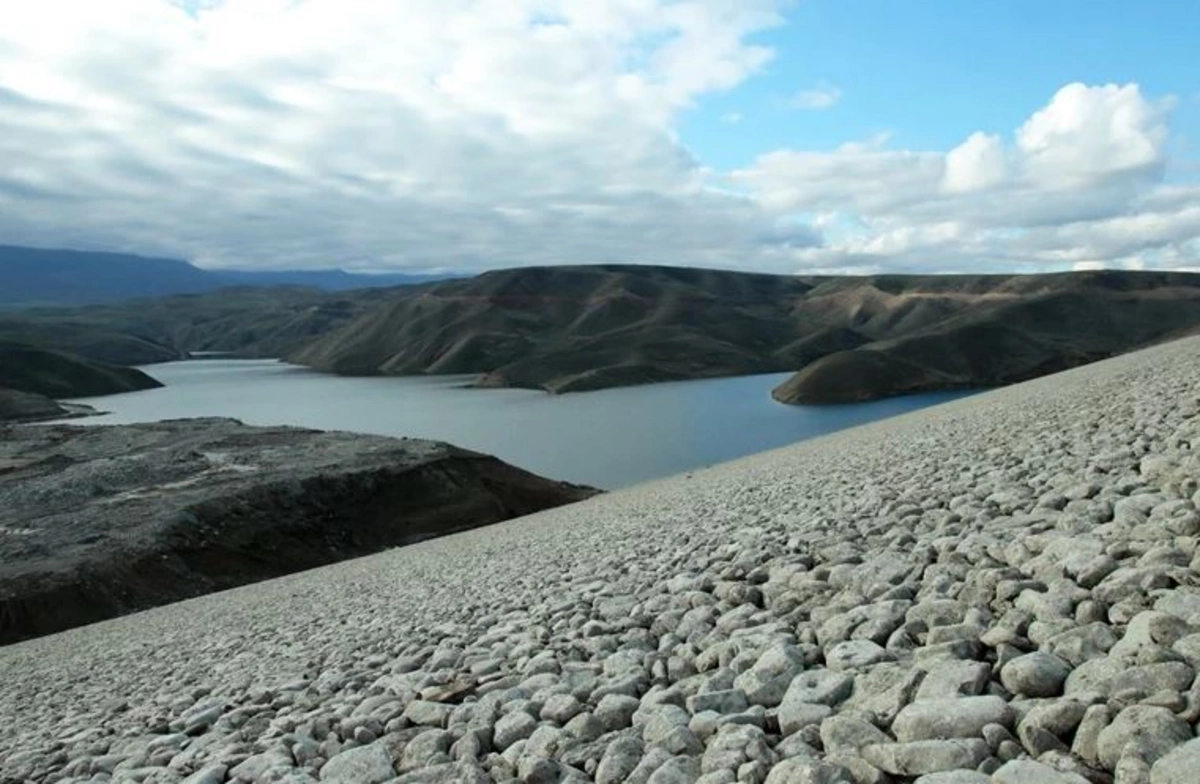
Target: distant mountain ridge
(574, 328)
(34, 276)
(261, 322)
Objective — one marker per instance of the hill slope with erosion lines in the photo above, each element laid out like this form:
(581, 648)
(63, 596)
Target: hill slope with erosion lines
(854, 338)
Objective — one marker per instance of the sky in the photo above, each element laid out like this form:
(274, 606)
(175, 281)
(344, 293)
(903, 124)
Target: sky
(787, 136)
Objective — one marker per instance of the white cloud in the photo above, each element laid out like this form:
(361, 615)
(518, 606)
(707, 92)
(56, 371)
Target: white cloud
(473, 133)
(462, 133)
(1089, 134)
(821, 96)
(1081, 182)
(977, 164)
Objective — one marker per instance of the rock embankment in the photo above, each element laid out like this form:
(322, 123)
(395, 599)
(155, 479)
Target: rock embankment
(1001, 590)
(100, 521)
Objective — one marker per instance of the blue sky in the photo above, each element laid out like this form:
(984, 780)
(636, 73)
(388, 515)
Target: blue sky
(932, 72)
(773, 135)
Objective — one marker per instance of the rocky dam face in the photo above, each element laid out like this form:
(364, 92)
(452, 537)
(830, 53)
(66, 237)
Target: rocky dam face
(1000, 590)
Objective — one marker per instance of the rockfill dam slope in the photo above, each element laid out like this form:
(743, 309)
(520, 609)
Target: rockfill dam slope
(1002, 589)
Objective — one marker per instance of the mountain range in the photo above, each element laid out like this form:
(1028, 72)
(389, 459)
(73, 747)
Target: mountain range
(36, 276)
(851, 338)
(574, 328)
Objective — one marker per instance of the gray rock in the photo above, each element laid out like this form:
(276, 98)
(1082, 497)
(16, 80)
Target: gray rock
(615, 711)
(954, 678)
(428, 714)
(767, 680)
(561, 708)
(428, 748)
(1036, 674)
(513, 727)
(256, 766)
(883, 690)
(951, 718)
(661, 721)
(824, 687)
(1030, 772)
(654, 759)
(718, 777)
(677, 770)
(619, 760)
(801, 770)
(849, 733)
(209, 774)
(1179, 766)
(854, 655)
(371, 764)
(1044, 725)
(1087, 735)
(795, 716)
(1148, 731)
(919, 757)
(954, 777)
(1152, 678)
(726, 701)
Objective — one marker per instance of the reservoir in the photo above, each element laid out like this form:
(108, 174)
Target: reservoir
(609, 438)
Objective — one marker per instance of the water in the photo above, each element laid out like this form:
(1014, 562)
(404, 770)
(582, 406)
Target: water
(609, 438)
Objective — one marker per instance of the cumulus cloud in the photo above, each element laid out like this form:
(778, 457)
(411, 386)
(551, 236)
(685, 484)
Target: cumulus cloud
(1081, 182)
(822, 96)
(977, 164)
(463, 133)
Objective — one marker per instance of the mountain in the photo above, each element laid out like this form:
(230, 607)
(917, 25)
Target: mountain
(326, 280)
(1001, 332)
(574, 328)
(852, 338)
(33, 276)
(246, 322)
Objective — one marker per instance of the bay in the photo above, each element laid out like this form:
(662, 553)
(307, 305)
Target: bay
(608, 438)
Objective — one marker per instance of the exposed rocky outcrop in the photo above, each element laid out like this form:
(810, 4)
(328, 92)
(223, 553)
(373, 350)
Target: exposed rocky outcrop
(43, 276)
(999, 590)
(100, 521)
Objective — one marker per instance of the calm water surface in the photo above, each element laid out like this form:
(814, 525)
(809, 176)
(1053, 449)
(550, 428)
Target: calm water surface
(609, 438)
